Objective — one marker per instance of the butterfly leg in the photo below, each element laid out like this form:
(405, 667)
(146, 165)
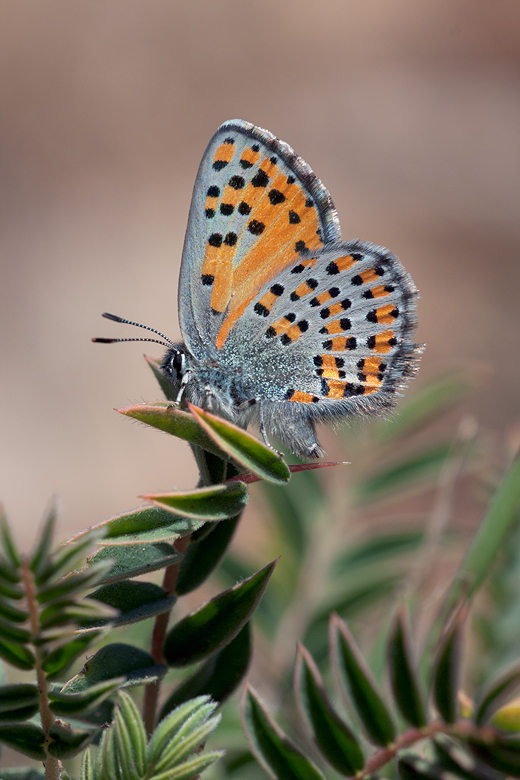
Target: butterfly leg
(185, 379)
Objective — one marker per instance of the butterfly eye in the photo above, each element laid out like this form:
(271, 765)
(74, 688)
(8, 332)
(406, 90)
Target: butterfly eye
(178, 364)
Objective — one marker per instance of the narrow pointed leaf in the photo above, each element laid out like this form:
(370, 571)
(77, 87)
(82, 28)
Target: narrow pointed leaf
(415, 768)
(280, 758)
(135, 600)
(134, 726)
(10, 612)
(218, 677)
(58, 660)
(453, 758)
(67, 558)
(25, 738)
(9, 547)
(177, 723)
(493, 695)
(170, 391)
(115, 660)
(13, 633)
(216, 622)
(8, 572)
(503, 755)
(217, 502)
(192, 767)
(203, 555)
(133, 560)
(72, 704)
(243, 448)
(73, 584)
(446, 677)
(18, 702)
(501, 516)
(368, 702)
(68, 742)
(182, 748)
(145, 525)
(174, 421)
(11, 591)
(17, 655)
(43, 546)
(332, 735)
(403, 676)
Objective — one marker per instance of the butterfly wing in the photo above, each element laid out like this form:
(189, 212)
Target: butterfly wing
(256, 207)
(332, 336)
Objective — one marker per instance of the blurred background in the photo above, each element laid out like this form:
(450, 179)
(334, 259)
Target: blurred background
(408, 111)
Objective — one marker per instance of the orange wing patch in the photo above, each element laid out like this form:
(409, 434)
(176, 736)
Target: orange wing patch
(382, 343)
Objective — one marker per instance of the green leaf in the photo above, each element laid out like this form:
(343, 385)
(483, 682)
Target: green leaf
(12, 633)
(332, 735)
(67, 558)
(403, 676)
(243, 448)
(116, 660)
(216, 502)
(9, 547)
(11, 591)
(420, 466)
(9, 612)
(215, 623)
(128, 716)
(503, 754)
(501, 516)
(135, 600)
(493, 695)
(368, 702)
(170, 391)
(63, 655)
(218, 677)
(415, 768)
(73, 584)
(191, 768)
(147, 524)
(135, 559)
(446, 677)
(17, 655)
(453, 758)
(68, 742)
(280, 758)
(18, 702)
(42, 549)
(25, 738)
(204, 554)
(177, 723)
(172, 420)
(73, 704)
(24, 774)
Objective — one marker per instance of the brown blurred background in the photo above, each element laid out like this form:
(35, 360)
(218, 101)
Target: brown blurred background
(408, 111)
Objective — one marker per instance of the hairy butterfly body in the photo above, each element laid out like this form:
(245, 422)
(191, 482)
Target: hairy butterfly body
(284, 324)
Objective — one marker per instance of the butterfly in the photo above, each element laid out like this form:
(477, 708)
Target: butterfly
(284, 325)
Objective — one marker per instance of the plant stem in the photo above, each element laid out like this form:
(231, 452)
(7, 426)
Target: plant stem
(51, 763)
(151, 694)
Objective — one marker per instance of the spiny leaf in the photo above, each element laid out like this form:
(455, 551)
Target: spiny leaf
(43, 546)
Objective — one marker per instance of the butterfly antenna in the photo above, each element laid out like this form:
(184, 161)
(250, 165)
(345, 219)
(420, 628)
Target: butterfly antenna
(115, 318)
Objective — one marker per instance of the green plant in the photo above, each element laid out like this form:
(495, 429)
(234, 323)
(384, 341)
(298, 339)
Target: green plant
(329, 565)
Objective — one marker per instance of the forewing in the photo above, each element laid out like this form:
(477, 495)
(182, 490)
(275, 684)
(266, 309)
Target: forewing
(256, 207)
(333, 332)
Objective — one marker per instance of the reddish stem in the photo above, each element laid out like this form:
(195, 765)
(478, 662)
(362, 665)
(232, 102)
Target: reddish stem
(151, 694)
